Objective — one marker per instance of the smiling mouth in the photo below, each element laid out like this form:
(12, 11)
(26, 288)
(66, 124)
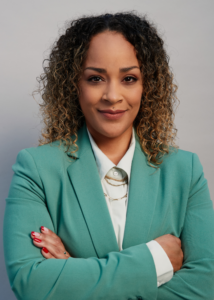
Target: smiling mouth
(112, 115)
(113, 112)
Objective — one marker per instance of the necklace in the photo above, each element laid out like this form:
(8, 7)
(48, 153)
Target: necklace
(124, 180)
(114, 198)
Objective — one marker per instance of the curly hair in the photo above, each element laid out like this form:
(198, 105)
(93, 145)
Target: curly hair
(58, 84)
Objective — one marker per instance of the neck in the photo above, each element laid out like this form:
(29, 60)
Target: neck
(114, 148)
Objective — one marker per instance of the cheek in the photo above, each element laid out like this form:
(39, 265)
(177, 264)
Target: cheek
(88, 97)
(135, 98)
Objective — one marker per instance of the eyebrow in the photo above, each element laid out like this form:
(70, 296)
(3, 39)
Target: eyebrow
(100, 70)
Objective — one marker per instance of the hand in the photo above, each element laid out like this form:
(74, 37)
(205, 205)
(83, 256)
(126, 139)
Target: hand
(51, 244)
(172, 246)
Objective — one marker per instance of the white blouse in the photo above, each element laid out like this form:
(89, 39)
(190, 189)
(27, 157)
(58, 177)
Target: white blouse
(115, 183)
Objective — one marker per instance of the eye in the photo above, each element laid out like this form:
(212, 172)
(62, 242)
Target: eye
(130, 79)
(94, 79)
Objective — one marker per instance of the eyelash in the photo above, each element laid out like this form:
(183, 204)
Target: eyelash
(90, 79)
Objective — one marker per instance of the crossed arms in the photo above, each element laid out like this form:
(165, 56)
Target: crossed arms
(127, 274)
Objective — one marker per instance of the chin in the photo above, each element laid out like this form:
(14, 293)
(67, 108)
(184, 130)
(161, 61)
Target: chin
(113, 131)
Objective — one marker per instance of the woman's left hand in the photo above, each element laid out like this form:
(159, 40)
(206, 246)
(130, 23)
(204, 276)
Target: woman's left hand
(51, 244)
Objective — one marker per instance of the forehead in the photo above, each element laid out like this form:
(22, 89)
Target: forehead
(110, 49)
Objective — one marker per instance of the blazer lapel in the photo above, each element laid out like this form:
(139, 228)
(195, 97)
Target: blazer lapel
(143, 189)
(85, 179)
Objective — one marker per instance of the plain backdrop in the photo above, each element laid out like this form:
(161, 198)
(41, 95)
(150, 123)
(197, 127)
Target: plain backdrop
(28, 29)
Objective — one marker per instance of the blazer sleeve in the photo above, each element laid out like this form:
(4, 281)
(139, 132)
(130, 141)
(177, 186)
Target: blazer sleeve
(195, 280)
(120, 275)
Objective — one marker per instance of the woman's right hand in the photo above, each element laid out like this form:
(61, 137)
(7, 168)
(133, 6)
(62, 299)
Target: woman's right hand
(172, 246)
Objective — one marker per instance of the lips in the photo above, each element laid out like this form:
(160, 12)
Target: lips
(112, 114)
(109, 111)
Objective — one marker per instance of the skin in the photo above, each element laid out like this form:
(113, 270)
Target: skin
(109, 88)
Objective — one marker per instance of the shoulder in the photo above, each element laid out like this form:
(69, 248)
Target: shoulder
(46, 150)
(182, 164)
(44, 155)
(183, 171)
(178, 158)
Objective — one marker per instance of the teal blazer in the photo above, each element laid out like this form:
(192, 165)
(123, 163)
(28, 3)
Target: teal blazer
(54, 189)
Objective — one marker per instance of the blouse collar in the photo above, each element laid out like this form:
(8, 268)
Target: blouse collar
(104, 164)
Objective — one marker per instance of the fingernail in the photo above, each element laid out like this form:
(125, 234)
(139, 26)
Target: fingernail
(35, 233)
(37, 240)
(44, 249)
(44, 228)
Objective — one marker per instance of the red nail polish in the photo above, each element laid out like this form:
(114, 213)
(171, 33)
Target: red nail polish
(44, 249)
(44, 229)
(32, 232)
(37, 240)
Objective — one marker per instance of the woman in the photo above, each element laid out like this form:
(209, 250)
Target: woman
(107, 207)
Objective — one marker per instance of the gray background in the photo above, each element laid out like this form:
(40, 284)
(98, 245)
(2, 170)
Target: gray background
(28, 28)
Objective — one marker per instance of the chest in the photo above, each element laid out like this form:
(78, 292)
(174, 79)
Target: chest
(79, 212)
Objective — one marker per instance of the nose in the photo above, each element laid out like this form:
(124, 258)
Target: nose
(112, 93)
